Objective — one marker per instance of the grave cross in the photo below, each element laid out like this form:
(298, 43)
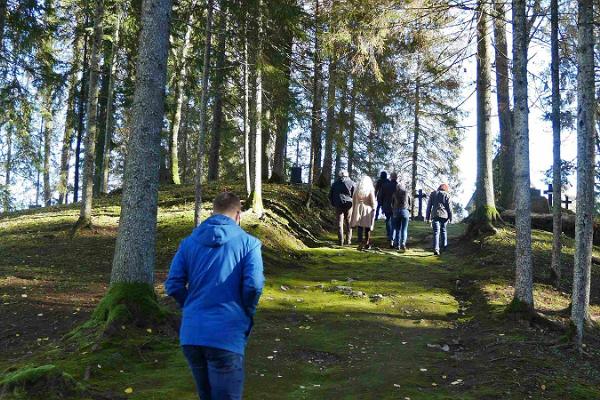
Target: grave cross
(549, 192)
(566, 201)
(420, 196)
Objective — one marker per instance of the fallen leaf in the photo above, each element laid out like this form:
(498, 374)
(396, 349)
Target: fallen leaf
(129, 390)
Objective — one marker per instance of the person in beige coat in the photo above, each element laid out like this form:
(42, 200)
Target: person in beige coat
(364, 204)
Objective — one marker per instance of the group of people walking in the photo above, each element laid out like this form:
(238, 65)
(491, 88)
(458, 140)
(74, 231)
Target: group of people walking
(358, 206)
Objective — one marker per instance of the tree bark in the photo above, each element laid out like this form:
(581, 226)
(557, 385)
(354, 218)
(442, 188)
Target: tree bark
(342, 123)
(245, 117)
(315, 128)
(7, 171)
(179, 96)
(283, 117)
(352, 129)
(506, 156)
(584, 219)
(48, 115)
(485, 206)
(3, 12)
(555, 270)
(70, 122)
(416, 134)
(203, 112)
(136, 243)
(85, 216)
(257, 202)
(109, 121)
(523, 297)
(330, 126)
(81, 106)
(219, 87)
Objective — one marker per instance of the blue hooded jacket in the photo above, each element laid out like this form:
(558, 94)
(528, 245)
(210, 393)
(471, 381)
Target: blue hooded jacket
(217, 278)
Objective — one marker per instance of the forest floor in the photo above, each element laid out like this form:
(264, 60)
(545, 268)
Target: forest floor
(333, 323)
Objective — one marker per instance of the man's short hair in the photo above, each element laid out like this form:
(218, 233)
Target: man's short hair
(393, 176)
(226, 202)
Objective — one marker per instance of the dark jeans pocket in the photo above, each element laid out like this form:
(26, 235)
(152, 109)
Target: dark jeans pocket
(224, 361)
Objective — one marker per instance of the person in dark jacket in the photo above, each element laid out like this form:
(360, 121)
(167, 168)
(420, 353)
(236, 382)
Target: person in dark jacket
(217, 278)
(383, 178)
(386, 195)
(401, 203)
(340, 197)
(439, 213)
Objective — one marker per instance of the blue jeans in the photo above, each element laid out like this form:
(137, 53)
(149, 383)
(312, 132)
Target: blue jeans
(219, 374)
(389, 224)
(440, 235)
(401, 219)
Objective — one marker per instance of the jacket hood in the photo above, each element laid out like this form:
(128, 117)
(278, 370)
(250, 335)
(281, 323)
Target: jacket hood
(216, 231)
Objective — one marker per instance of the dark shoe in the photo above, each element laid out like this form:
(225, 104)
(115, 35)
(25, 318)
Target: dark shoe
(436, 252)
(360, 247)
(367, 247)
(391, 244)
(403, 248)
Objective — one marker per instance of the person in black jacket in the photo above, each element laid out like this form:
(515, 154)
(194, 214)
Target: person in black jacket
(340, 197)
(439, 213)
(383, 179)
(386, 194)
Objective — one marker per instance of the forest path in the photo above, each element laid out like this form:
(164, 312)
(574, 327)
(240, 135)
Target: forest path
(344, 323)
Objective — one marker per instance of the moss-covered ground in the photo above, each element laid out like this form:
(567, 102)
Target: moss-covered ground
(333, 323)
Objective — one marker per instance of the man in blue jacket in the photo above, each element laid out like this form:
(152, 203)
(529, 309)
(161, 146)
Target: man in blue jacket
(217, 279)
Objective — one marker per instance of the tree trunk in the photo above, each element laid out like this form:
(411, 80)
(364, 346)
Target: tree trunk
(103, 79)
(342, 122)
(416, 134)
(70, 122)
(282, 118)
(267, 143)
(179, 96)
(585, 168)
(85, 216)
(485, 207)
(523, 298)
(109, 121)
(136, 243)
(555, 270)
(506, 156)
(3, 12)
(257, 203)
(330, 126)
(7, 171)
(81, 106)
(315, 128)
(203, 112)
(219, 88)
(352, 129)
(246, 112)
(47, 192)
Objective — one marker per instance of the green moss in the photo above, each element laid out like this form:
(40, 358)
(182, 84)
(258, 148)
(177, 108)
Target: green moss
(47, 380)
(129, 303)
